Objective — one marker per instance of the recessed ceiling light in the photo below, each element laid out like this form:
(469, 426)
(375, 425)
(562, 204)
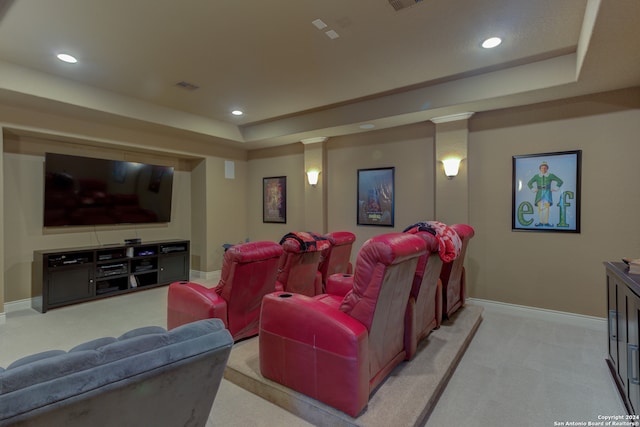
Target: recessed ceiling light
(237, 113)
(491, 42)
(65, 57)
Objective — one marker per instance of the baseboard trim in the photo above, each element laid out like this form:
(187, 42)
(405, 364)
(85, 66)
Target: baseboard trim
(207, 275)
(591, 322)
(13, 306)
(22, 304)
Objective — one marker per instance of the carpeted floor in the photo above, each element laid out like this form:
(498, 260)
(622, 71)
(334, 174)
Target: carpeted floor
(405, 398)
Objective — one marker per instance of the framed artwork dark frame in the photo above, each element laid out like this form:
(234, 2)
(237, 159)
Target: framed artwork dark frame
(274, 199)
(376, 197)
(546, 192)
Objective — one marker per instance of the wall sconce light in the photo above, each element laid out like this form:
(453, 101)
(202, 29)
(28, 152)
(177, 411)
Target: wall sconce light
(451, 167)
(312, 177)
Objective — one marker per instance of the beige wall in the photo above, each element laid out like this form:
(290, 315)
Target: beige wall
(218, 211)
(410, 149)
(199, 228)
(283, 161)
(452, 194)
(23, 231)
(555, 271)
(315, 212)
(29, 133)
(227, 204)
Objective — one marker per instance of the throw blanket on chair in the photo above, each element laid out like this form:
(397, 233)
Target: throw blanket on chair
(448, 240)
(309, 241)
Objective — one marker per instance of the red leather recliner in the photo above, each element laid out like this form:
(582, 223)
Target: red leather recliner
(336, 259)
(248, 273)
(424, 310)
(453, 274)
(298, 269)
(339, 349)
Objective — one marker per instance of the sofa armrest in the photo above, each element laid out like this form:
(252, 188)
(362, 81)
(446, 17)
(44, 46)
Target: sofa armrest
(315, 349)
(189, 302)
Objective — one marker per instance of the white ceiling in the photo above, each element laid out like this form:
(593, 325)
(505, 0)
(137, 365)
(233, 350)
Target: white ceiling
(387, 67)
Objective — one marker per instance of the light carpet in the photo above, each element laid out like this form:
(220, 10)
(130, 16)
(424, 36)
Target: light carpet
(405, 398)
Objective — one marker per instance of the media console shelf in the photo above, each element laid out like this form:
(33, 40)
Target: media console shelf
(63, 277)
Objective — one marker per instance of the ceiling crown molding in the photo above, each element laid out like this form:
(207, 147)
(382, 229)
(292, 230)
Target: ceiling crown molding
(314, 140)
(452, 117)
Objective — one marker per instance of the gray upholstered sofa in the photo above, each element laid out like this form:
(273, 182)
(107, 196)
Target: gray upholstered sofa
(146, 377)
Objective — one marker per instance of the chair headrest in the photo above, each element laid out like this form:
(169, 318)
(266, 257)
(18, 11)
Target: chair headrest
(464, 231)
(253, 251)
(339, 238)
(391, 248)
(449, 240)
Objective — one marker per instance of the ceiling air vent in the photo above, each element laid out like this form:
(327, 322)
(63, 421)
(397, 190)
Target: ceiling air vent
(187, 85)
(402, 4)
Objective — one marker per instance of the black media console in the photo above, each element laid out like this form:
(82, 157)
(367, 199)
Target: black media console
(63, 277)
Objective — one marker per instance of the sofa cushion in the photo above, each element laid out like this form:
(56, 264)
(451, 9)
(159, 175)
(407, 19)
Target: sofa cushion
(93, 344)
(46, 369)
(145, 330)
(34, 358)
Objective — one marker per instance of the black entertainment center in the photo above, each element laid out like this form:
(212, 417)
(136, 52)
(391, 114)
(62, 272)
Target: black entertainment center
(63, 277)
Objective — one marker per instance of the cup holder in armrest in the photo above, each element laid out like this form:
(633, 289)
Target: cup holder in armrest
(285, 295)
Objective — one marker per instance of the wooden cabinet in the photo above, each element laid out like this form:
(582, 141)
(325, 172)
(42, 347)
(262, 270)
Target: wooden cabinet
(70, 284)
(173, 264)
(63, 277)
(623, 304)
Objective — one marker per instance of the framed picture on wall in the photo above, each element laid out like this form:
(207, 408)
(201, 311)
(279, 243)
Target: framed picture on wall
(546, 192)
(274, 199)
(376, 196)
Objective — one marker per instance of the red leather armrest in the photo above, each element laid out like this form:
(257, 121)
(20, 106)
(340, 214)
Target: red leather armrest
(279, 286)
(188, 302)
(283, 313)
(339, 284)
(315, 349)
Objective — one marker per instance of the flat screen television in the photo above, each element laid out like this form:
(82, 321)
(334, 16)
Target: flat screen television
(89, 191)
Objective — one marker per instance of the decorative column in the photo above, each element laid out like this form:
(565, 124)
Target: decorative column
(452, 192)
(315, 198)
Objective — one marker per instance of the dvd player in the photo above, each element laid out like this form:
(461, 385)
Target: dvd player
(177, 248)
(61, 260)
(111, 270)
